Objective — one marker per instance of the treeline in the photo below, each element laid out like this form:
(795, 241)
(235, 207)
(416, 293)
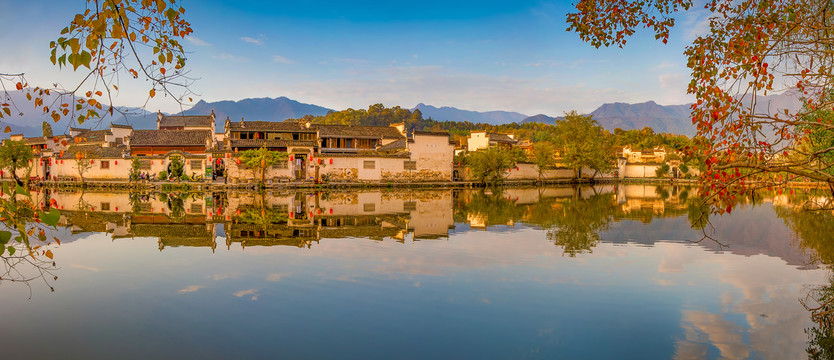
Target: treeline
(379, 115)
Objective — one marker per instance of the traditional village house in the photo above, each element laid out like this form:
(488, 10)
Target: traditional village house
(656, 155)
(355, 139)
(157, 148)
(185, 122)
(298, 140)
(95, 154)
(481, 140)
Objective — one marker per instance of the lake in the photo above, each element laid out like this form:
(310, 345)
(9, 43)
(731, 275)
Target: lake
(607, 272)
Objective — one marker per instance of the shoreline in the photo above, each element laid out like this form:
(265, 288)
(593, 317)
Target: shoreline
(160, 185)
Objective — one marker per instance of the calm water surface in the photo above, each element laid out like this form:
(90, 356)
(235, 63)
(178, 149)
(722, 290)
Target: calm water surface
(603, 273)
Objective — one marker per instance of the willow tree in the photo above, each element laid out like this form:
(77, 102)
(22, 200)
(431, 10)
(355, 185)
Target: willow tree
(751, 48)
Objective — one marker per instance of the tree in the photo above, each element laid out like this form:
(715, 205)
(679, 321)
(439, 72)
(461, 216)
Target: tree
(176, 168)
(135, 166)
(489, 165)
(543, 156)
(82, 165)
(662, 171)
(15, 155)
(585, 144)
(753, 48)
(260, 159)
(105, 40)
(47, 129)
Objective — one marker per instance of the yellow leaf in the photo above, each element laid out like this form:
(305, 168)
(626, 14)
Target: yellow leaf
(7, 130)
(56, 117)
(48, 254)
(152, 92)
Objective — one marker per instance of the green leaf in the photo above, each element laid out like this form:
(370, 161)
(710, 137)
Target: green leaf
(21, 190)
(51, 218)
(5, 236)
(5, 187)
(11, 250)
(2, 250)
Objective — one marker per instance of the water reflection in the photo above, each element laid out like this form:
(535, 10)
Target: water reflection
(538, 271)
(576, 219)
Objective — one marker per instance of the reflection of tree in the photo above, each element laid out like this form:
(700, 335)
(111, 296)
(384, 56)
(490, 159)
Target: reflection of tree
(576, 226)
(492, 208)
(820, 302)
(814, 230)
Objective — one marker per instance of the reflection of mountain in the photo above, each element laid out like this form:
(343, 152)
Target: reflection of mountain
(575, 219)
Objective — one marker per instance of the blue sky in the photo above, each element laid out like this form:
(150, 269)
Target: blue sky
(475, 55)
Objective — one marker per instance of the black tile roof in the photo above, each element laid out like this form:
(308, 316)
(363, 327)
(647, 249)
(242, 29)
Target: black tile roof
(186, 120)
(170, 137)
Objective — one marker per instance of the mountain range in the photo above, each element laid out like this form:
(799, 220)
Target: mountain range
(662, 118)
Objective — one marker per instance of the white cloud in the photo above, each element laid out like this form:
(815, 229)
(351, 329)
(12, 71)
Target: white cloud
(280, 59)
(249, 292)
(197, 41)
(190, 289)
(252, 40)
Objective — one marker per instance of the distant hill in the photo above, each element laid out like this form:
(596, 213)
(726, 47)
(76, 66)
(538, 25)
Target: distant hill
(266, 109)
(663, 119)
(667, 118)
(454, 114)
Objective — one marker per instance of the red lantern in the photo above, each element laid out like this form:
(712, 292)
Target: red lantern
(311, 157)
(331, 161)
(516, 168)
(238, 161)
(331, 211)
(320, 161)
(209, 158)
(311, 214)
(292, 216)
(116, 162)
(92, 161)
(318, 211)
(117, 208)
(291, 158)
(227, 156)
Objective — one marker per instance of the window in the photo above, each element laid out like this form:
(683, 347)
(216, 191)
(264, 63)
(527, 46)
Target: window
(410, 206)
(196, 208)
(105, 164)
(145, 207)
(105, 206)
(409, 165)
(369, 207)
(196, 164)
(144, 164)
(370, 164)
(281, 208)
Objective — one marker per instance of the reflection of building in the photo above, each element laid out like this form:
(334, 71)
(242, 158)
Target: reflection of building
(251, 219)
